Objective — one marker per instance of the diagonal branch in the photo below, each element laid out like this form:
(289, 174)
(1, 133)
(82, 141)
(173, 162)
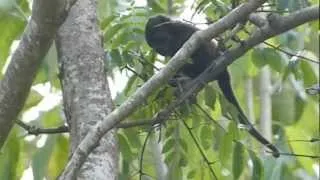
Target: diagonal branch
(138, 98)
(47, 16)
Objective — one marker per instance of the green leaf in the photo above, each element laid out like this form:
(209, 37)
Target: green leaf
(124, 147)
(41, 76)
(263, 56)
(291, 39)
(169, 131)
(11, 27)
(206, 136)
(224, 104)
(11, 163)
(210, 97)
(292, 67)
(309, 76)
(258, 170)
(183, 145)
(168, 145)
(59, 157)
(238, 160)
(49, 67)
(106, 21)
(225, 148)
(156, 6)
(191, 174)
(283, 102)
(33, 99)
(170, 156)
(299, 105)
(116, 58)
(257, 57)
(112, 31)
(183, 161)
(41, 158)
(52, 118)
(133, 139)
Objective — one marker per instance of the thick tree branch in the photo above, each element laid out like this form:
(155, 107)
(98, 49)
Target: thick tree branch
(138, 98)
(47, 16)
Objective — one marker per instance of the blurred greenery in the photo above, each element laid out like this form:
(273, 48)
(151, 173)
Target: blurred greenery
(180, 149)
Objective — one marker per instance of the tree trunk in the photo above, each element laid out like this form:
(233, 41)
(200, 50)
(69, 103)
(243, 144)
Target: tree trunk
(86, 94)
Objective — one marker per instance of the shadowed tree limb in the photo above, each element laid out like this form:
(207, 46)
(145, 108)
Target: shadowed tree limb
(47, 16)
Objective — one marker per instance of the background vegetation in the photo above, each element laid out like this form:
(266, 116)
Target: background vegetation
(198, 139)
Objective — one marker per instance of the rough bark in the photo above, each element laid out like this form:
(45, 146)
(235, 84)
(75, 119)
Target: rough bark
(47, 16)
(86, 95)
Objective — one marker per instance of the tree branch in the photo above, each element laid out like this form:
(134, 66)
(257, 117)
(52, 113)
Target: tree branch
(47, 16)
(138, 98)
(33, 130)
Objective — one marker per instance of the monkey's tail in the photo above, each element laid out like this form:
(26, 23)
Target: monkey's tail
(225, 86)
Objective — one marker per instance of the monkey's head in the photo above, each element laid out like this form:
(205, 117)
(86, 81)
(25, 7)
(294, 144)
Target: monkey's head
(156, 20)
(158, 35)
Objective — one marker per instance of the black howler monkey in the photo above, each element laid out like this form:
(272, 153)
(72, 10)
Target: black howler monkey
(166, 37)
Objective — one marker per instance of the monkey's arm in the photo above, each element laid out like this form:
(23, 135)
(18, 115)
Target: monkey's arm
(225, 86)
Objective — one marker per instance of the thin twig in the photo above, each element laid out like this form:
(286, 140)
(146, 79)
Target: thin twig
(141, 173)
(291, 54)
(200, 149)
(137, 74)
(297, 155)
(33, 130)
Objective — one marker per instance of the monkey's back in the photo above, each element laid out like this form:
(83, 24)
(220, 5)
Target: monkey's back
(167, 37)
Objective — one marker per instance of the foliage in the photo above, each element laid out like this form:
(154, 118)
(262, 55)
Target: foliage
(197, 136)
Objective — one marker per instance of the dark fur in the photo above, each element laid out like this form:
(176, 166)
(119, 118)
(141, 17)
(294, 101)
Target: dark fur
(166, 37)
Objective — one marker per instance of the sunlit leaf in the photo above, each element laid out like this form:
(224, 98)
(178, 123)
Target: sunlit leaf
(33, 99)
(309, 75)
(52, 118)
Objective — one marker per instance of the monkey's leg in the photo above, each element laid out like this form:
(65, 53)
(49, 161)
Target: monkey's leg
(225, 86)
